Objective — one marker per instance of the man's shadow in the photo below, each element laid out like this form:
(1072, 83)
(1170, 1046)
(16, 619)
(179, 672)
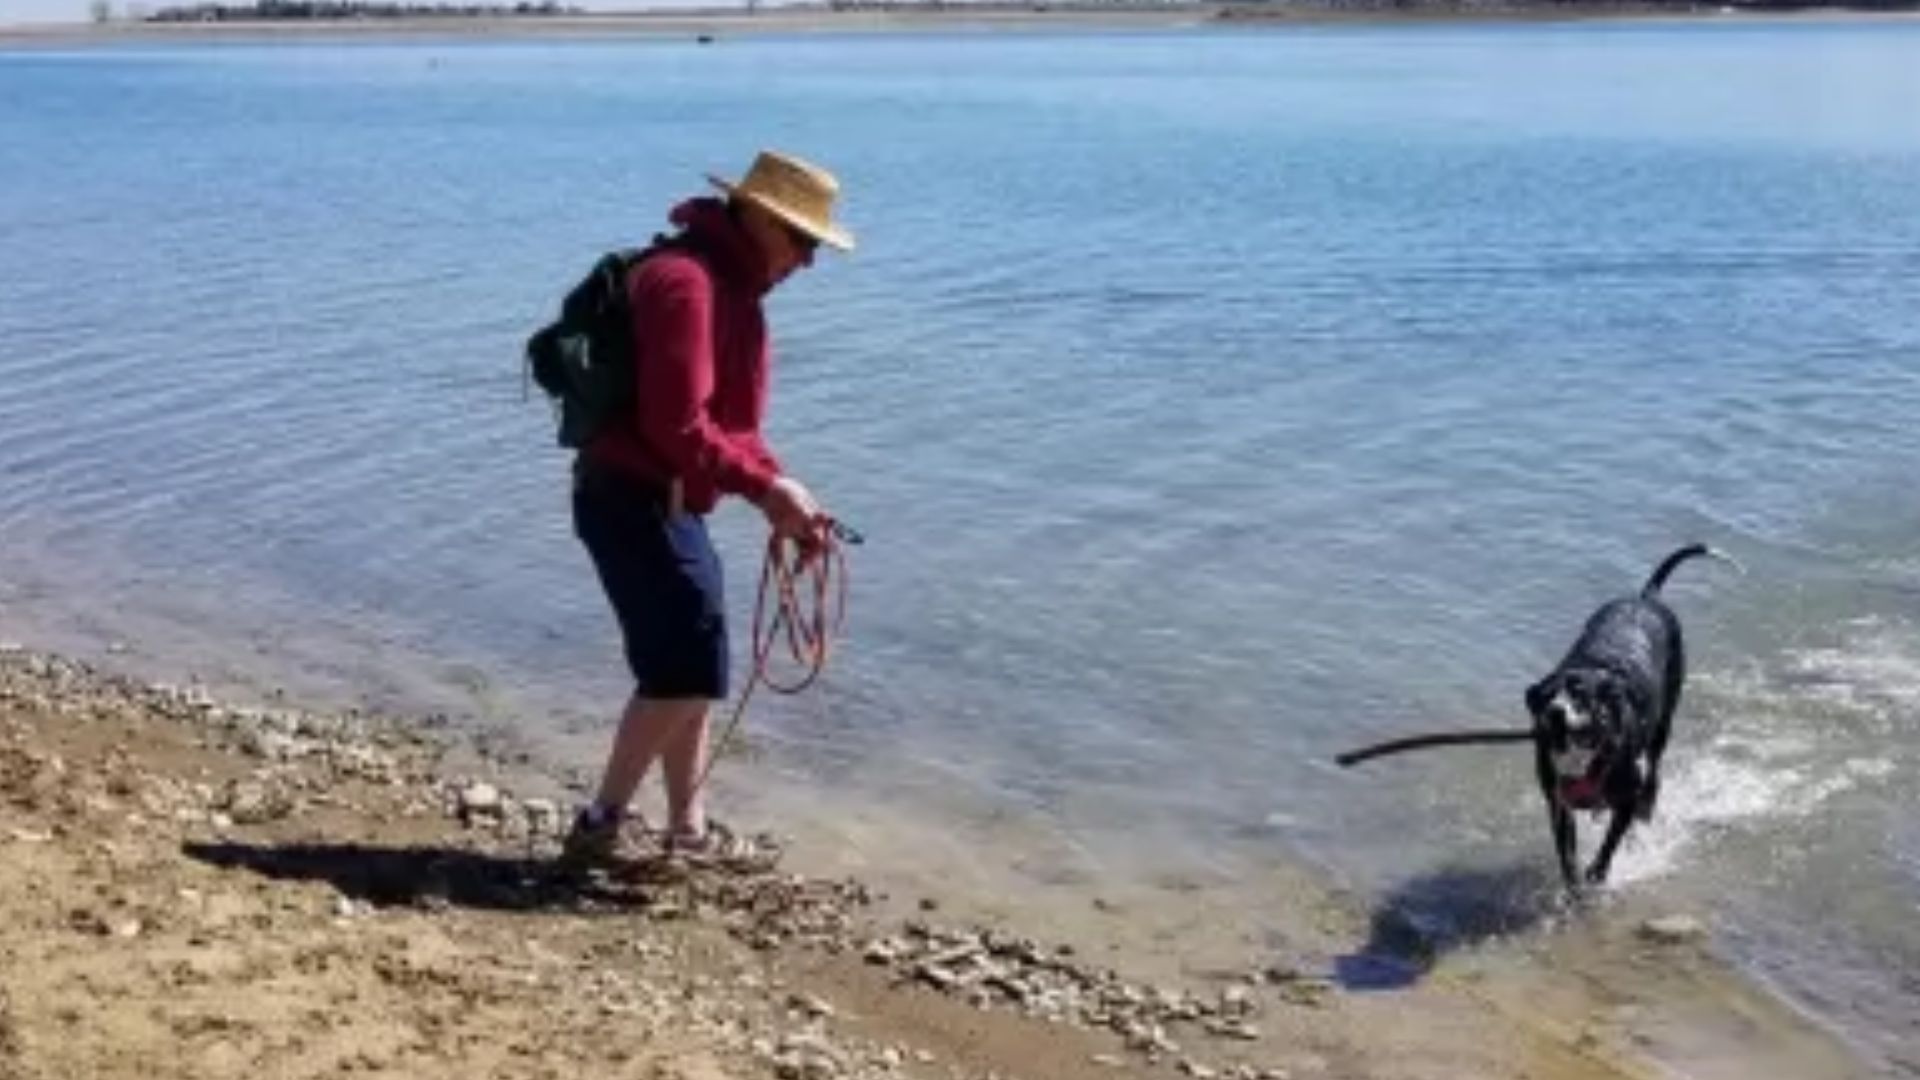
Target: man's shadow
(421, 876)
(1456, 906)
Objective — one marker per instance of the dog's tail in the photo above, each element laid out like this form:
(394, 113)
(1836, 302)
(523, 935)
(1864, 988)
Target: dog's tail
(1421, 742)
(1660, 573)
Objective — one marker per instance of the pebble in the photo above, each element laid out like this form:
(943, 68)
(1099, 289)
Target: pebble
(1673, 930)
(810, 1006)
(251, 802)
(479, 798)
(1234, 1029)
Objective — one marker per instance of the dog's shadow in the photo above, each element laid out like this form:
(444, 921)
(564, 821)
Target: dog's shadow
(418, 876)
(1456, 906)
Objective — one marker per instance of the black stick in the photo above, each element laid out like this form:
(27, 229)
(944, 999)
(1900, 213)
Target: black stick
(1446, 738)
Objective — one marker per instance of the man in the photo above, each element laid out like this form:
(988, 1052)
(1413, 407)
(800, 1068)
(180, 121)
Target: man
(643, 487)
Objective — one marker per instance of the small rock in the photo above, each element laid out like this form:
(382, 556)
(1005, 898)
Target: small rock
(938, 977)
(250, 802)
(543, 815)
(807, 1056)
(480, 798)
(1673, 930)
(810, 1006)
(270, 745)
(1235, 1029)
(88, 922)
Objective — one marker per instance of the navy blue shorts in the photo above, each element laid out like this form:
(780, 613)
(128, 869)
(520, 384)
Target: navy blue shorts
(663, 577)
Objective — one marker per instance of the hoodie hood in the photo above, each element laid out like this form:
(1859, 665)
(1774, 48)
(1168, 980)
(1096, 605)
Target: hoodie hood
(718, 236)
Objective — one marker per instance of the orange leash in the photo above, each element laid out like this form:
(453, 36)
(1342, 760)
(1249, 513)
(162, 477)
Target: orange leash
(809, 591)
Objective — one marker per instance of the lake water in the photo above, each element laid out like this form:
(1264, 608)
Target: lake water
(1213, 401)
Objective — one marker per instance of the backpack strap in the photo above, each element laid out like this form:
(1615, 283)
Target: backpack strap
(664, 243)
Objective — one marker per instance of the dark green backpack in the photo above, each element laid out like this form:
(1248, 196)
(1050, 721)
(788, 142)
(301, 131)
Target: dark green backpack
(584, 360)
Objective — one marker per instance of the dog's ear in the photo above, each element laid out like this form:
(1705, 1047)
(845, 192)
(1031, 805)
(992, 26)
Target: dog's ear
(1538, 694)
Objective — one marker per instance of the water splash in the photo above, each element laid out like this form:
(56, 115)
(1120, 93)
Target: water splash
(1790, 737)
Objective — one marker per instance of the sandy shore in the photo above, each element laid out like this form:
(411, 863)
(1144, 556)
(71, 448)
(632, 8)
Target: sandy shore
(191, 888)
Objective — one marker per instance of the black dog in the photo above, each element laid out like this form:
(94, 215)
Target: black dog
(1601, 719)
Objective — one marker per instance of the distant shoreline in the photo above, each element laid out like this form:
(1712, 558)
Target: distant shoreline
(904, 18)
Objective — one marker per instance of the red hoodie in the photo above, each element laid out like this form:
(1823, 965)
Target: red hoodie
(703, 356)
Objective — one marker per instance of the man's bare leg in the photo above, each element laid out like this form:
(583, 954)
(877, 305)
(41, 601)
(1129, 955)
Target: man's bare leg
(648, 727)
(683, 761)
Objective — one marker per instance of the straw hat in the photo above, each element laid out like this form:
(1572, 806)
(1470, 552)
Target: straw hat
(796, 192)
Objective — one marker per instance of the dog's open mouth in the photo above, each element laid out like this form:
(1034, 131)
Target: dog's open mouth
(1579, 792)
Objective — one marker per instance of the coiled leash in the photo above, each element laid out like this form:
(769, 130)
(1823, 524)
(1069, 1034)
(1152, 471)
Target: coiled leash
(809, 591)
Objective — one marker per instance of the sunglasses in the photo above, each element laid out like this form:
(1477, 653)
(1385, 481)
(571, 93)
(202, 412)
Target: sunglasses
(804, 242)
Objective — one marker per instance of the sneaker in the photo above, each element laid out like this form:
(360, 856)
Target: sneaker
(695, 843)
(593, 842)
(719, 847)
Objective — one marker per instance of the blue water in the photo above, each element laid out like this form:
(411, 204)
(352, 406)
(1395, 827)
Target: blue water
(1213, 401)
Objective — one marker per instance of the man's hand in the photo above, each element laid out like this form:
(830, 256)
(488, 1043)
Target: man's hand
(792, 512)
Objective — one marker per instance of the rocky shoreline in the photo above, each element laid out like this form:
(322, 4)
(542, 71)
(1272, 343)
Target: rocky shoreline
(290, 766)
(197, 888)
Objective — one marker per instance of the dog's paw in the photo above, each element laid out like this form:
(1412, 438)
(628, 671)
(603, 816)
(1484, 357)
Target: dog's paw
(1643, 806)
(1596, 876)
(1572, 882)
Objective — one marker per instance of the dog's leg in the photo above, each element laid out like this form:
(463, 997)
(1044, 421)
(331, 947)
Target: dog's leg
(1650, 791)
(1565, 840)
(1624, 787)
(1603, 859)
(1565, 843)
(1676, 679)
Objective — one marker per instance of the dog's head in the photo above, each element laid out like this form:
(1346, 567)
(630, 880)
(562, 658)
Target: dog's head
(1581, 718)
